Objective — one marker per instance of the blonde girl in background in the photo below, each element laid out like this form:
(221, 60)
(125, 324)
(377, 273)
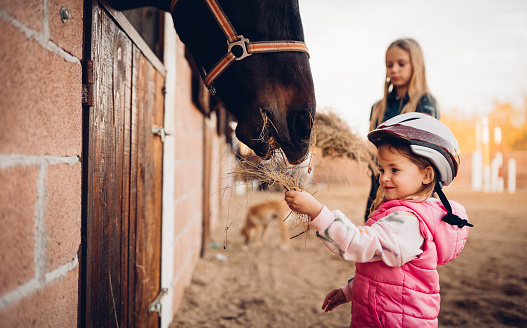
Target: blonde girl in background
(405, 91)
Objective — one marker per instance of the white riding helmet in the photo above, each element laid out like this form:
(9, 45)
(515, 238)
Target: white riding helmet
(427, 137)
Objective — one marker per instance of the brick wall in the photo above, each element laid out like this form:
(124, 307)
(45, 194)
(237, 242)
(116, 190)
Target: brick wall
(223, 163)
(189, 128)
(40, 170)
(188, 198)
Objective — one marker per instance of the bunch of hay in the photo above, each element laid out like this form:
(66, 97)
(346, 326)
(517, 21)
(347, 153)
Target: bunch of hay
(336, 139)
(276, 172)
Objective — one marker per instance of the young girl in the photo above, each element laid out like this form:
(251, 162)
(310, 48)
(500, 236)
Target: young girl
(405, 91)
(396, 283)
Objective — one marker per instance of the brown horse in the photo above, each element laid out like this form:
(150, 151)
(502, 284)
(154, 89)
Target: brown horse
(274, 85)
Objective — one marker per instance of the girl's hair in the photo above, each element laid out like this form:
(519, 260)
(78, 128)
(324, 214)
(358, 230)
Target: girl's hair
(416, 88)
(402, 148)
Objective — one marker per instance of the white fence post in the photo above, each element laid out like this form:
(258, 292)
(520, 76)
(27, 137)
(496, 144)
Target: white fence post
(477, 170)
(511, 185)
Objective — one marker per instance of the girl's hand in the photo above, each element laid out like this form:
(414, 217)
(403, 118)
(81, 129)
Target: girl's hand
(335, 298)
(303, 202)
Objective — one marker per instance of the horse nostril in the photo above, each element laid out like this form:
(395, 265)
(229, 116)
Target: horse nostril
(300, 125)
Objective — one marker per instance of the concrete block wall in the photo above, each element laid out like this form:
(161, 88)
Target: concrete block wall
(40, 167)
(189, 132)
(223, 163)
(188, 196)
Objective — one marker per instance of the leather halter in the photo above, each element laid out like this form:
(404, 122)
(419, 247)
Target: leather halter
(234, 39)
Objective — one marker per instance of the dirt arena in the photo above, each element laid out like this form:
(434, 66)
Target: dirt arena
(486, 286)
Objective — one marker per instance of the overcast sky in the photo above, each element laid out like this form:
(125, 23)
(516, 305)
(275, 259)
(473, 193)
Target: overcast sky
(475, 51)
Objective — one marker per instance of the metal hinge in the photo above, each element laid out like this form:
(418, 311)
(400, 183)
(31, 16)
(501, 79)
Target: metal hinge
(155, 306)
(87, 83)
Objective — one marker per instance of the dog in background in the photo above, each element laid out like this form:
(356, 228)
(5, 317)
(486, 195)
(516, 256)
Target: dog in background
(258, 218)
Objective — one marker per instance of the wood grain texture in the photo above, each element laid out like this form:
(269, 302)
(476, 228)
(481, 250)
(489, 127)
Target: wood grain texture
(123, 228)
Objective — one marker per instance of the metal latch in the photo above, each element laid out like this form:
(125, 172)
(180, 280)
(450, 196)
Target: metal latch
(160, 131)
(155, 306)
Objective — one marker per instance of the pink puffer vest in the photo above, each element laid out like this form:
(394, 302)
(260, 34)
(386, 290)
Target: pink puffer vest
(407, 296)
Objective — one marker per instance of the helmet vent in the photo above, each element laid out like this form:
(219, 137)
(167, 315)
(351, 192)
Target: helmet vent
(409, 119)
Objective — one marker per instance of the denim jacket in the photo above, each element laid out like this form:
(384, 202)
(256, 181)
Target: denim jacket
(427, 104)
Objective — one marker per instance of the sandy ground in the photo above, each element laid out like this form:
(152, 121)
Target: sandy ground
(486, 286)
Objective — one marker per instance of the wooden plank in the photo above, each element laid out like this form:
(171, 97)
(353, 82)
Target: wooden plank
(123, 85)
(107, 180)
(134, 155)
(138, 262)
(157, 158)
(154, 190)
(95, 237)
(147, 94)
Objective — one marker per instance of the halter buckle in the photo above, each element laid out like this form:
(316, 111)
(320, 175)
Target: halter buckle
(242, 42)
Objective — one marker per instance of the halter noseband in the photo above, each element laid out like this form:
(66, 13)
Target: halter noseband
(233, 39)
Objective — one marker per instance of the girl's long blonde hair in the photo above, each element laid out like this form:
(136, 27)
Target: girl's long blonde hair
(416, 88)
(422, 163)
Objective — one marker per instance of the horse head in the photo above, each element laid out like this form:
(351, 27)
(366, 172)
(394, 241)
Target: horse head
(271, 94)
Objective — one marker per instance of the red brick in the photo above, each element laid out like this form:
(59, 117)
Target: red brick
(18, 196)
(30, 12)
(40, 98)
(67, 35)
(178, 106)
(189, 146)
(179, 218)
(180, 138)
(180, 251)
(196, 121)
(55, 305)
(185, 114)
(188, 176)
(184, 213)
(63, 213)
(185, 251)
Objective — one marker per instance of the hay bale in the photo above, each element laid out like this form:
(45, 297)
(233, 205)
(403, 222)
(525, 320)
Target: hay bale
(336, 139)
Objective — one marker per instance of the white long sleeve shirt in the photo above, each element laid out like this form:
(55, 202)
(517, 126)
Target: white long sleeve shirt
(394, 239)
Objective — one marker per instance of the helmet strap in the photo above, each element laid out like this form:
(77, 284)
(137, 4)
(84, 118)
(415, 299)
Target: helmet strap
(450, 217)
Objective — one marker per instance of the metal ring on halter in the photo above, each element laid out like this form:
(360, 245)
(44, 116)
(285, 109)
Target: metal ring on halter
(242, 42)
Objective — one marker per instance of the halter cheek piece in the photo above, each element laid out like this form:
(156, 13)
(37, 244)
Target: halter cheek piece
(235, 40)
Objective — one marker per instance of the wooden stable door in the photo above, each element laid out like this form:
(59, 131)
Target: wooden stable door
(123, 178)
